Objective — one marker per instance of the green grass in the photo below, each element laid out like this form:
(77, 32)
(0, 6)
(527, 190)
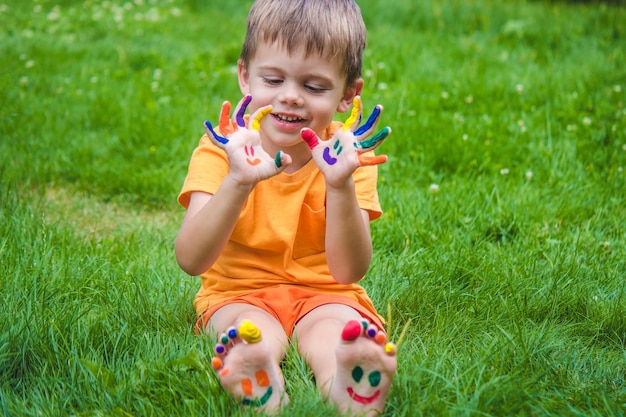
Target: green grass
(512, 269)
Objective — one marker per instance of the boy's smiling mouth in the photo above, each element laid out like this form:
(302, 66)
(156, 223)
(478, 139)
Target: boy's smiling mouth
(287, 119)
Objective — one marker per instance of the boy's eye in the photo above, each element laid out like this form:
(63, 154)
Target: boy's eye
(272, 81)
(315, 88)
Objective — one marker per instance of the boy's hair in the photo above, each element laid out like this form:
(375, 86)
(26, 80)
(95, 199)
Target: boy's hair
(332, 28)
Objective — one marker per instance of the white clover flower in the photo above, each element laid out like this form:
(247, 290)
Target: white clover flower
(433, 188)
(445, 95)
(152, 15)
(617, 88)
(504, 171)
(469, 99)
(94, 79)
(529, 175)
(571, 128)
(382, 86)
(154, 85)
(23, 81)
(381, 65)
(587, 120)
(157, 73)
(29, 64)
(176, 12)
(465, 137)
(519, 88)
(54, 14)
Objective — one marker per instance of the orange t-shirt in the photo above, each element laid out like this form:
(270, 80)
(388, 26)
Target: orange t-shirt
(279, 237)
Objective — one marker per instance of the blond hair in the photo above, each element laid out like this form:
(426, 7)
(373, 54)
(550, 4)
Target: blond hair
(331, 28)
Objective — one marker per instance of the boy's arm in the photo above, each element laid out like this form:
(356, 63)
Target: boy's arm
(208, 224)
(211, 219)
(348, 240)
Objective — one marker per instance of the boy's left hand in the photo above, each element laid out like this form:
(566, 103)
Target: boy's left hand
(340, 156)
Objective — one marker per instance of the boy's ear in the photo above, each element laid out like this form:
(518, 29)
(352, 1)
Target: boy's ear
(351, 91)
(243, 77)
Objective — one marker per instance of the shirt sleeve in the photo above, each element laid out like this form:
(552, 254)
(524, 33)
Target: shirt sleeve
(207, 169)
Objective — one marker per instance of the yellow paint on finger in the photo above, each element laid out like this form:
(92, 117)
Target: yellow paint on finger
(354, 115)
(256, 123)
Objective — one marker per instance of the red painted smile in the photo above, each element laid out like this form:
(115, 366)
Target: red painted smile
(360, 399)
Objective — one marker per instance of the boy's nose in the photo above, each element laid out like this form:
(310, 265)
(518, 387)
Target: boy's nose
(291, 95)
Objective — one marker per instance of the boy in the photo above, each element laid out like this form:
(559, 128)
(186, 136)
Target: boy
(277, 220)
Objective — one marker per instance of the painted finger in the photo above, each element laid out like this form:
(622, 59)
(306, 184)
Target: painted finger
(277, 161)
(371, 122)
(355, 115)
(225, 125)
(282, 160)
(372, 160)
(258, 116)
(373, 142)
(240, 111)
(213, 134)
(310, 137)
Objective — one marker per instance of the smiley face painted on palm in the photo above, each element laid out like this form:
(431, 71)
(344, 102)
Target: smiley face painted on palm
(345, 148)
(248, 160)
(367, 388)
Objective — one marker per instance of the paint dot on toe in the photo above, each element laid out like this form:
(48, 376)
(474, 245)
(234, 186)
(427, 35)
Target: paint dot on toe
(352, 330)
(390, 348)
(232, 333)
(216, 363)
(380, 338)
(371, 331)
(249, 332)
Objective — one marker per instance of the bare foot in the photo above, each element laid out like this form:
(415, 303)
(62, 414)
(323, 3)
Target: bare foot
(245, 368)
(366, 365)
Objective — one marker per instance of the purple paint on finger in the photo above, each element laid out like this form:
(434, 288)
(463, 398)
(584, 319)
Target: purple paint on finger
(242, 111)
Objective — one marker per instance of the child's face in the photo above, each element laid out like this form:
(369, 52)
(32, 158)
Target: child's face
(303, 91)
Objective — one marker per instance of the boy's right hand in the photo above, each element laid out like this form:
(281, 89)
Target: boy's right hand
(249, 163)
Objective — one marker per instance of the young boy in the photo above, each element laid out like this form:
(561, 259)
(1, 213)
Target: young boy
(278, 213)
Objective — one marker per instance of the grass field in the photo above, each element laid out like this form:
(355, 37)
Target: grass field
(503, 240)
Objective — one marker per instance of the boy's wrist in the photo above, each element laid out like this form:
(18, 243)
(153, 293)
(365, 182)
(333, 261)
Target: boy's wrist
(346, 186)
(237, 185)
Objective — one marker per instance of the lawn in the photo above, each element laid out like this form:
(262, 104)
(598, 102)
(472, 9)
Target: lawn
(503, 242)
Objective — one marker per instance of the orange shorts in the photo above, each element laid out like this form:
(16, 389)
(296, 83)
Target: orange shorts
(288, 305)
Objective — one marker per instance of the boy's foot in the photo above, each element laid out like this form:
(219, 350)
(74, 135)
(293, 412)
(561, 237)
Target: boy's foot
(366, 365)
(246, 370)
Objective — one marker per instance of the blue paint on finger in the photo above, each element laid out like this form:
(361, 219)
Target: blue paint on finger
(217, 137)
(370, 122)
